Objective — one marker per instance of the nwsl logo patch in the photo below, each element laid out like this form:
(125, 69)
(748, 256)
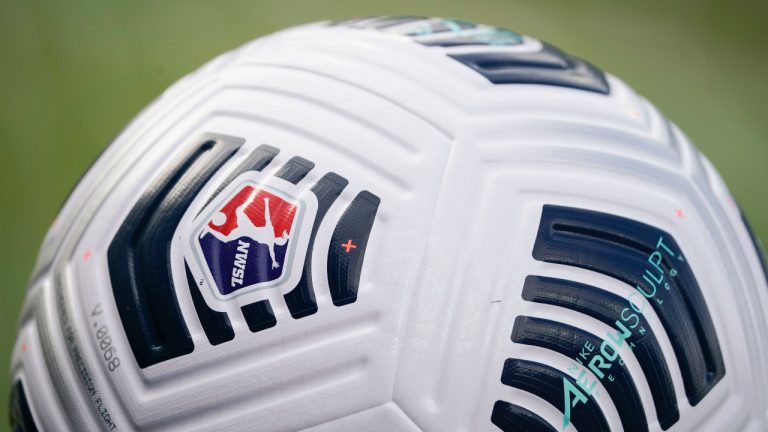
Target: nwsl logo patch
(250, 232)
(253, 235)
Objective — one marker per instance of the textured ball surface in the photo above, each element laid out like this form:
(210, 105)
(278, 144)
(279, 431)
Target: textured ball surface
(396, 224)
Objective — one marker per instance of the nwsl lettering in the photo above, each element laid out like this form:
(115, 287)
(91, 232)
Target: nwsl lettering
(599, 360)
(238, 268)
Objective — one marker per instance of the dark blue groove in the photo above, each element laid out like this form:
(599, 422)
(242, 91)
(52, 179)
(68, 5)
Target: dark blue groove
(259, 316)
(301, 300)
(607, 307)
(514, 418)
(569, 341)
(549, 66)
(346, 264)
(139, 256)
(19, 413)
(620, 247)
(216, 325)
(546, 382)
(295, 169)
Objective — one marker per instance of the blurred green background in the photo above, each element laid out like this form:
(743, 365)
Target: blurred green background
(73, 73)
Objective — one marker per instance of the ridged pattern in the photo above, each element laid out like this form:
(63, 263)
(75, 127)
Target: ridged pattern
(624, 249)
(345, 266)
(606, 307)
(514, 418)
(140, 261)
(569, 341)
(301, 300)
(546, 382)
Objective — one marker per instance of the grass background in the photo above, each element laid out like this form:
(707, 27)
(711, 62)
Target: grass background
(73, 73)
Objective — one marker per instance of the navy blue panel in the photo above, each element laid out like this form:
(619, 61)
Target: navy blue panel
(550, 66)
(569, 341)
(18, 410)
(346, 262)
(607, 307)
(215, 324)
(546, 382)
(514, 418)
(259, 316)
(301, 300)
(620, 248)
(217, 252)
(140, 256)
(758, 246)
(295, 169)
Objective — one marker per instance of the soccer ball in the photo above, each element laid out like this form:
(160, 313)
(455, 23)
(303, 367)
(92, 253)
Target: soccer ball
(396, 224)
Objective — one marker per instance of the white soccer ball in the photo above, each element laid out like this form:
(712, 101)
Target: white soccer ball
(396, 224)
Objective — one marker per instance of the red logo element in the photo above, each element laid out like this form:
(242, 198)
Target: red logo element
(348, 245)
(281, 212)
